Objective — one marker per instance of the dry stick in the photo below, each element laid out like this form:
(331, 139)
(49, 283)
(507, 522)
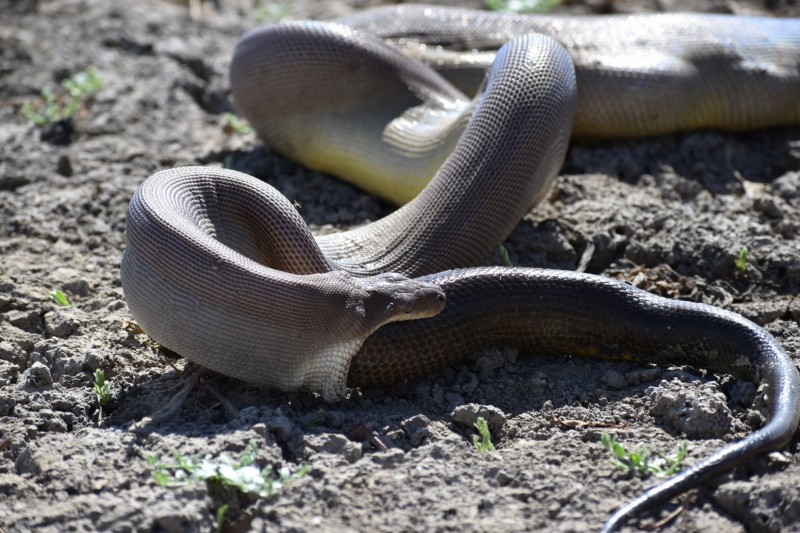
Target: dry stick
(232, 411)
(172, 406)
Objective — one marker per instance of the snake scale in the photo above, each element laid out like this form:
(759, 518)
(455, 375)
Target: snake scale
(220, 267)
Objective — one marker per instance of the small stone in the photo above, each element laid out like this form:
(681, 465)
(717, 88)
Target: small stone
(700, 411)
(8, 352)
(64, 166)
(468, 414)
(643, 375)
(769, 207)
(78, 287)
(416, 429)
(24, 320)
(388, 459)
(8, 373)
(614, 380)
(93, 360)
(38, 375)
(60, 324)
(7, 403)
(56, 425)
(334, 444)
(734, 495)
(490, 362)
(500, 476)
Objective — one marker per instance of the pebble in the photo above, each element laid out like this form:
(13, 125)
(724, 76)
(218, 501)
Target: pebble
(38, 375)
(468, 414)
(698, 411)
(614, 380)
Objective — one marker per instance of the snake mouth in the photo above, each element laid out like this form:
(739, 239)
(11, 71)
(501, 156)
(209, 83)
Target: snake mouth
(428, 300)
(394, 297)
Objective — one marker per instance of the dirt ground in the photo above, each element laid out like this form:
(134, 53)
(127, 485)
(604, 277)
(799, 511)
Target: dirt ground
(669, 214)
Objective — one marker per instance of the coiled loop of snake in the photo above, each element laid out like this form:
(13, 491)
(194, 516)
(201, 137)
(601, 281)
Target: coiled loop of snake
(220, 267)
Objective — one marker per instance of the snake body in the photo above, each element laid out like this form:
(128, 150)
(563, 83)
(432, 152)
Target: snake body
(220, 267)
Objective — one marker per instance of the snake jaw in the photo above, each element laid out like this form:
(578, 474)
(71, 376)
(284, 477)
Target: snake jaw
(393, 297)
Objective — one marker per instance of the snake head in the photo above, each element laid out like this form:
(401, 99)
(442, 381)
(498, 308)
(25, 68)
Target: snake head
(394, 297)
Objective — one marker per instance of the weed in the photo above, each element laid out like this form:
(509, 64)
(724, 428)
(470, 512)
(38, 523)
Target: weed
(523, 6)
(83, 84)
(643, 461)
(741, 260)
(503, 253)
(242, 475)
(59, 298)
(57, 107)
(483, 443)
(221, 517)
(101, 388)
(233, 124)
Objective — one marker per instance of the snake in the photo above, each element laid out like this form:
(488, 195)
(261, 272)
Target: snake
(220, 267)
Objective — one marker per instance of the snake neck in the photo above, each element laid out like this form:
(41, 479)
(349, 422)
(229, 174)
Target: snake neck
(506, 160)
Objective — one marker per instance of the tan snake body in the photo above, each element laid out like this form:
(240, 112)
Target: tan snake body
(220, 267)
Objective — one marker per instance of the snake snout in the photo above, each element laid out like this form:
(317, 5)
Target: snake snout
(394, 297)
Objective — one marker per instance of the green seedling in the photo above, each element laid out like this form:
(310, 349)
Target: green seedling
(272, 12)
(643, 461)
(221, 517)
(522, 6)
(482, 443)
(83, 84)
(242, 475)
(741, 260)
(101, 388)
(59, 298)
(503, 253)
(233, 124)
(55, 107)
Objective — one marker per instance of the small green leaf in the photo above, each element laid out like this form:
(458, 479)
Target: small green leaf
(643, 461)
(233, 124)
(60, 298)
(53, 108)
(482, 443)
(101, 388)
(221, 516)
(242, 475)
(501, 250)
(741, 260)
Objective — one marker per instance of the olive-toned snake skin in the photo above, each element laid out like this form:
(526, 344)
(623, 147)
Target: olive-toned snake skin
(221, 268)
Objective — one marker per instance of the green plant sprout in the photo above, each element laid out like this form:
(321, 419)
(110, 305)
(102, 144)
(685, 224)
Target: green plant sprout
(101, 388)
(233, 124)
(503, 253)
(221, 517)
(741, 260)
(482, 443)
(242, 475)
(59, 298)
(522, 6)
(643, 461)
(56, 107)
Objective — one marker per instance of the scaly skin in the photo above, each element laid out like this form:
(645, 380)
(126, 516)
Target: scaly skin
(220, 268)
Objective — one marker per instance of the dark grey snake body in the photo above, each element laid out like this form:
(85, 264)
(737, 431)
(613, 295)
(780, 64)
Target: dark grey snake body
(220, 267)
